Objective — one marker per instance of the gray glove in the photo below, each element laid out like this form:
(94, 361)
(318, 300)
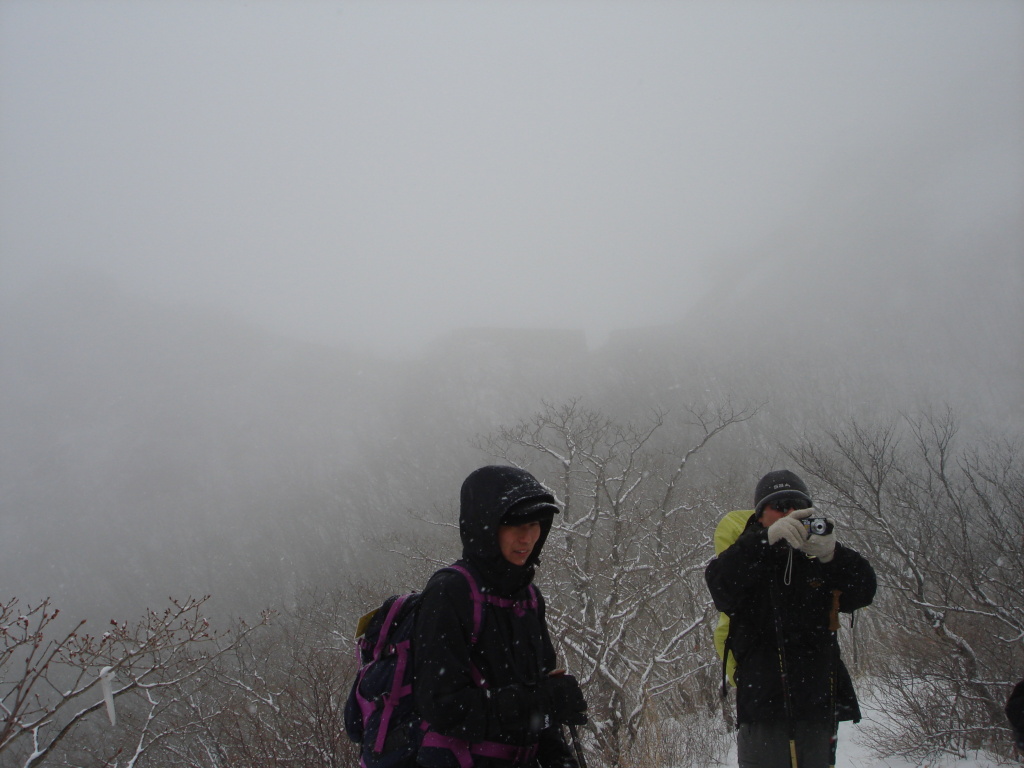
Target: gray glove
(790, 529)
(821, 546)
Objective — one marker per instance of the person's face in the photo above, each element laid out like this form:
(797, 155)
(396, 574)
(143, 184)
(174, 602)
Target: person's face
(517, 541)
(778, 509)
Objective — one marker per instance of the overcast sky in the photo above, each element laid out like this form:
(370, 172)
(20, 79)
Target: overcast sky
(377, 173)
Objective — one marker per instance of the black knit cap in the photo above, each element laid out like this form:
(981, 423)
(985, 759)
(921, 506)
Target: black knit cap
(777, 485)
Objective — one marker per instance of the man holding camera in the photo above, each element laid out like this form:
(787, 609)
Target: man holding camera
(782, 583)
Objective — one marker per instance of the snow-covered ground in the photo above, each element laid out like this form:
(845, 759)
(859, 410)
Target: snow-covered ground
(854, 752)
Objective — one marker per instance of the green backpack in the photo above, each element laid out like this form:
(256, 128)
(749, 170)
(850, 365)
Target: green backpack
(727, 531)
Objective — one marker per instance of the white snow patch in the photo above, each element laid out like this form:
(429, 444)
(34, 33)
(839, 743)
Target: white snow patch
(855, 752)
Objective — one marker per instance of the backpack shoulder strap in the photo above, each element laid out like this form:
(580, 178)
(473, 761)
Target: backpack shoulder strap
(531, 603)
(389, 620)
(476, 595)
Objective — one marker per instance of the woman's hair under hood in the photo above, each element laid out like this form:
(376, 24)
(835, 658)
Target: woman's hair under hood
(487, 496)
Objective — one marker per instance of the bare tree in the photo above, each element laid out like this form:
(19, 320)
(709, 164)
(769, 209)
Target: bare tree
(54, 682)
(943, 527)
(277, 698)
(630, 607)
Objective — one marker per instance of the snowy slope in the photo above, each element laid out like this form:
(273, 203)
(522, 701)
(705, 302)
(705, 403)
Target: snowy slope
(855, 752)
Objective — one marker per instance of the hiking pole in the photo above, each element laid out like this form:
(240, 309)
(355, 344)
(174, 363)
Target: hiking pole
(576, 746)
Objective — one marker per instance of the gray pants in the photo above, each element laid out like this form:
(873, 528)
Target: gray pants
(766, 745)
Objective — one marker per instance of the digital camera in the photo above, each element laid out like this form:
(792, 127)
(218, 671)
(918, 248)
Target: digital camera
(818, 526)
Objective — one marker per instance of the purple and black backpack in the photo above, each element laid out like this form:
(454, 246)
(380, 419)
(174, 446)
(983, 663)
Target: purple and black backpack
(381, 714)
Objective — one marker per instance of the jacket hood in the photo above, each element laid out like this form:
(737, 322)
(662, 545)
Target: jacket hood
(487, 496)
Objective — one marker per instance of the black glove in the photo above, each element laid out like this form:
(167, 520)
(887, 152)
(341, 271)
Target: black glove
(563, 699)
(515, 707)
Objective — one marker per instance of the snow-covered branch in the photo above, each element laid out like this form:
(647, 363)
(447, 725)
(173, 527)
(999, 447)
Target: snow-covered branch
(52, 685)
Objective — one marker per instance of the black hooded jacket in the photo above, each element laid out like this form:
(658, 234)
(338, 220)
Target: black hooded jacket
(742, 580)
(1015, 713)
(513, 651)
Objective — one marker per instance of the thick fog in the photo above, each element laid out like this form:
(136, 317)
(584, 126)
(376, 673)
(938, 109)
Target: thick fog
(374, 174)
(256, 258)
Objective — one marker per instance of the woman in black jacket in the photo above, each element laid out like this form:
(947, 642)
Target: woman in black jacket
(488, 685)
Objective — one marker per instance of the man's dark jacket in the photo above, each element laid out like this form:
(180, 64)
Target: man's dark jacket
(748, 582)
(514, 650)
(1015, 713)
